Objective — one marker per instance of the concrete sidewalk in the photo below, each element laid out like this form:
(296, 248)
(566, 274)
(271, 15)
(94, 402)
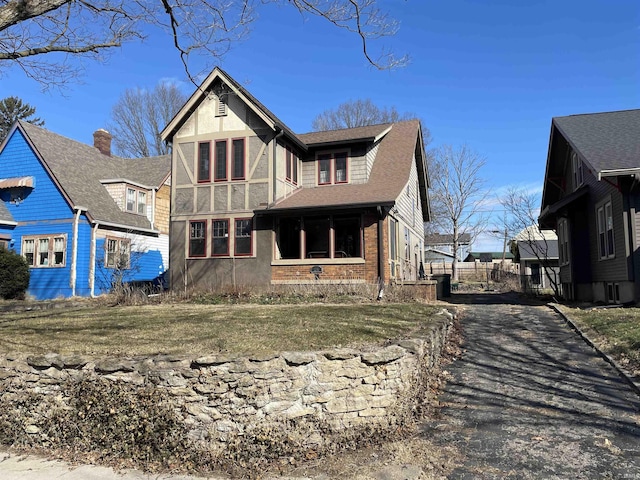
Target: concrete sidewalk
(530, 399)
(18, 467)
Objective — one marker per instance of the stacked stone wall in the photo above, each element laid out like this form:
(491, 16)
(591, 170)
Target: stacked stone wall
(220, 398)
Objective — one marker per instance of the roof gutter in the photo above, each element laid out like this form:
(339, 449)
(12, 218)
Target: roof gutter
(126, 227)
(634, 172)
(315, 208)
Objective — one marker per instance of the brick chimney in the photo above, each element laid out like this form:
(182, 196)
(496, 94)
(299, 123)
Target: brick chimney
(102, 141)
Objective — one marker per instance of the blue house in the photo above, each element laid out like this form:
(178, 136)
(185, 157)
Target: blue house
(81, 217)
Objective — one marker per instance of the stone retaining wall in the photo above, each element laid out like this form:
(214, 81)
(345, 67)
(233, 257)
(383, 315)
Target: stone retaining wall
(221, 397)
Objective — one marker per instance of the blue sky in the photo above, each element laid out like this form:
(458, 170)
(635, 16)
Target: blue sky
(490, 74)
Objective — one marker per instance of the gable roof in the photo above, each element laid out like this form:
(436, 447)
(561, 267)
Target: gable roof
(370, 133)
(446, 239)
(606, 141)
(395, 154)
(538, 249)
(78, 168)
(494, 255)
(200, 94)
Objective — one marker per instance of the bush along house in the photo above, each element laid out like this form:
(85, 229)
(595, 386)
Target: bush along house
(591, 198)
(253, 203)
(82, 218)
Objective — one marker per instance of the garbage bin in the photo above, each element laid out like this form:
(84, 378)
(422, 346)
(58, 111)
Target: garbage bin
(443, 288)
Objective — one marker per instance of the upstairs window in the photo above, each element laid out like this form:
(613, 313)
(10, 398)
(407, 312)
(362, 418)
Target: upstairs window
(238, 158)
(221, 161)
(333, 168)
(576, 166)
(136, 201)
(197, 238)
(291, 166)
(606, 247)
(204, 162)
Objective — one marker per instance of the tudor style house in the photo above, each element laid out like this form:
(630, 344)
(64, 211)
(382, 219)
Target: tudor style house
(253, 203)
(591, 198)
(81, 217)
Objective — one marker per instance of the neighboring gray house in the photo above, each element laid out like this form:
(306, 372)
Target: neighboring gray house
(591, 198)
(439, 246)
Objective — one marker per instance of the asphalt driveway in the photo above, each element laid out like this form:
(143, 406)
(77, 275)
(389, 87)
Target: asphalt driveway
(530, 400)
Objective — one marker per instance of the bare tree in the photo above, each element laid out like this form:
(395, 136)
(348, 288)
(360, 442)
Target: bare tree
(39, 35)
(457, 194)
(522, 208)
(13, 109)
(139, 116)
(357, 113)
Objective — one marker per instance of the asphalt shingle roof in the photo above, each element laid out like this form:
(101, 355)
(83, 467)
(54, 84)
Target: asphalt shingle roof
(548, 250)
(78, 168)
(5, 215)
(389, 175)
(607, 141)
(344, 135)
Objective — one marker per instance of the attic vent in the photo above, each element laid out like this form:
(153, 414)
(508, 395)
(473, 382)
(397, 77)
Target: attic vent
(222, 106)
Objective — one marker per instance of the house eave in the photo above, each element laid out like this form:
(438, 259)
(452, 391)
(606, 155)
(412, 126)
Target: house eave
(315, 208)
(619, 172)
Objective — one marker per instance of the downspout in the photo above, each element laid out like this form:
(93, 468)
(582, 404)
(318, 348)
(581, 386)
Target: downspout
(92, 261)
(381, 279)
(275, 163)
(153, 208)
(74, 250)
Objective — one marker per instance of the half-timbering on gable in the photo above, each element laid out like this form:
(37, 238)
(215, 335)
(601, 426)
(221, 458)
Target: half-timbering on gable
(253, 203)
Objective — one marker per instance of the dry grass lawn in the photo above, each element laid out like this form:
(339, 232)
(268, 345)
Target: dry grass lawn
(615, 330)
(182, 328)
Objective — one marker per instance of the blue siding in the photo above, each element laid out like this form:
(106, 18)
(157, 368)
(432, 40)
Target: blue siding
(44, 210)
(146, 267)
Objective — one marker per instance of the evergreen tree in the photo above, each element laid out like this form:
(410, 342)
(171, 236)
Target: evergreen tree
(12, 109)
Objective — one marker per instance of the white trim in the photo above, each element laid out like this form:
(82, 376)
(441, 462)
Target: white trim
(618, 171)
(126, 227)
(129, 182)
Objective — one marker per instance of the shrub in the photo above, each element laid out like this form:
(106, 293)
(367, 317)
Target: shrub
(14, 275)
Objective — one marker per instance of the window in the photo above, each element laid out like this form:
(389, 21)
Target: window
(317, 237)
(393, 244)
(142, 203)
(237, 153)
(346, 232)
(324, 169)
(117, 253)
(291, 166)
(221, 160)
(197, 238)
(204, 162)
(45, 251)
(220, 237)
(136, 201)
(289, 237)
(341, 168)
(606, 248)
(336, 162)
(337, 236)
(563, 241)
(576, 165)
(243, 237)
(613, 293)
